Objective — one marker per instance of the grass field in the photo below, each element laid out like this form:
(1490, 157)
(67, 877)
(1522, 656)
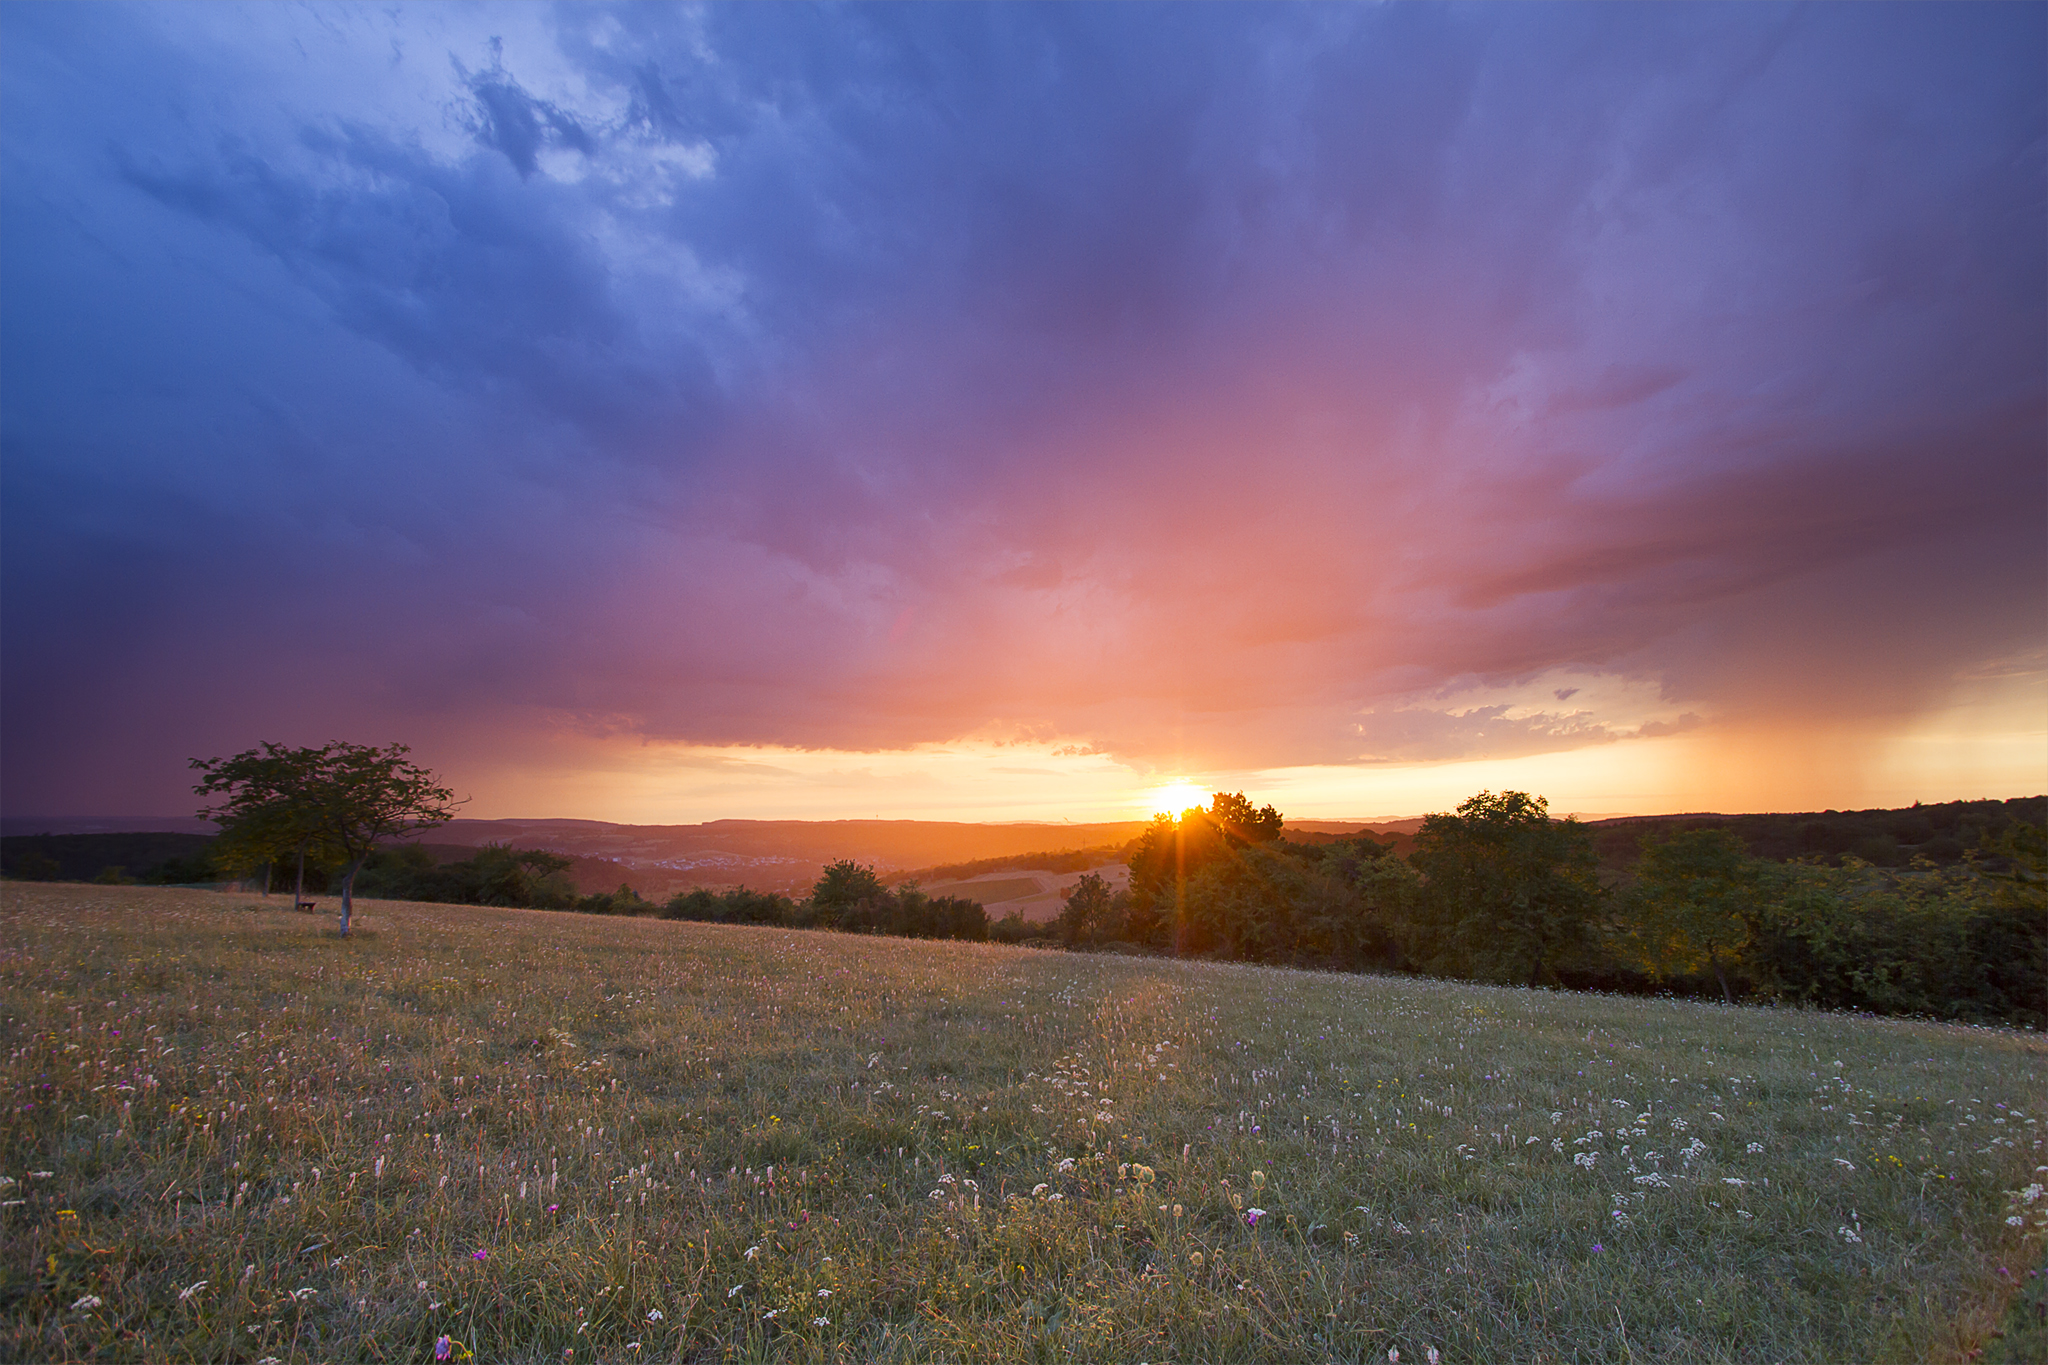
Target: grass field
(234, 1136)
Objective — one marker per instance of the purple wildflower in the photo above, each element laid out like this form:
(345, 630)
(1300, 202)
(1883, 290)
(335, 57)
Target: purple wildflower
(479, 1255)
(444, 1349)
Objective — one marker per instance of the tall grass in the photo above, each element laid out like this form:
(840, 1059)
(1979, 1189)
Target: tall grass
(234, 1136)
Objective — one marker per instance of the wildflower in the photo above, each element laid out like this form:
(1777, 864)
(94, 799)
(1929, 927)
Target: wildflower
(444, 1349)
(654, 1315)
(1195, 1259)
(553, 1208)
(1039, 1189)
(189, 1291)
(1754, 1148)
(1177, 1210)
(479, 1255)
(752, 1252)
(1252, 1217)
(824, 1293)
(821, 1322)
(771, 1314)
(85, 1302)
(734, 1290)
(1598, 1247)
(1430, 1354)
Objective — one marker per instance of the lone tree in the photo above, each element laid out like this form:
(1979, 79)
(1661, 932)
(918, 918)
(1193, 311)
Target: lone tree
(340, 796)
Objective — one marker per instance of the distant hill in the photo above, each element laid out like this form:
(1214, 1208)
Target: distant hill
(788, 855)
(779, 855)
(1941, 832)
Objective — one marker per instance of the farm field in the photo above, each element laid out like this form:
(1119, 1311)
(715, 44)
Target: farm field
(235, 1136)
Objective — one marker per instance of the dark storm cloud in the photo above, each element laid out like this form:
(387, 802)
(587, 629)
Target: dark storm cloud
(1199, 382)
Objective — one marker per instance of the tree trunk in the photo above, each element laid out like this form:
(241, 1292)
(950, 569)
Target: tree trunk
(1721, 977)
(299, 888)
(348, 889)
(266, 879)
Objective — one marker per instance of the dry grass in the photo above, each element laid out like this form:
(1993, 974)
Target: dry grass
(234, 1136)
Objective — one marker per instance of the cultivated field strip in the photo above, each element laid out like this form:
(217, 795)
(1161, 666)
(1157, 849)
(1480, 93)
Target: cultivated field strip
(521, 1136)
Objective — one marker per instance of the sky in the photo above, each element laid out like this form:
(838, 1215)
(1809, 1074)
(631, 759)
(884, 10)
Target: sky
(996, 412)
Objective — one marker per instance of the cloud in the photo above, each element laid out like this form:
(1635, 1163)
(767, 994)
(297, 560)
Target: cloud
(1222, 391)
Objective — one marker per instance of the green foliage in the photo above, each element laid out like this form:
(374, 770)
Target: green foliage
(1942, 832)
(842, 887)
(737, 905)
(1091, 912)
(156, 858)
(495, 875)
(624, 901)
(1693, 905)
(33, 865)
(1954, 943)
(1507, 889)
(1172, 851)
(341, 798)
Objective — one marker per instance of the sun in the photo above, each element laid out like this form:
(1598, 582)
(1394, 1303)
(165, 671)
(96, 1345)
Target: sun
(1175, 797)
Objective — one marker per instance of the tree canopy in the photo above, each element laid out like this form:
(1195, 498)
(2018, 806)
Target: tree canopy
(1505, 885)
(347, 797)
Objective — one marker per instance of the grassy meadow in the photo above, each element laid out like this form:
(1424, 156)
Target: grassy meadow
(234, 1136)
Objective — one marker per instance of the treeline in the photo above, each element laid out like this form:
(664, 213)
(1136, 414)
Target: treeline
(1066, 860)
(1944, 833)
(1498, 891)
(153, 859)
(848, 897)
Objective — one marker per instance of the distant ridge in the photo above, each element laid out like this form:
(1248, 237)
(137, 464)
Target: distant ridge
(11, 825)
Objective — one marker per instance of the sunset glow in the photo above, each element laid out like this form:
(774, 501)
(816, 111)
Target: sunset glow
(1174, 798)
(658, 414)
